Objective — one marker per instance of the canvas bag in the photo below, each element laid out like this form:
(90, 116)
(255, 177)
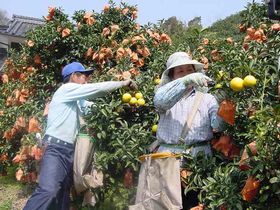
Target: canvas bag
(159, 184)
(86, 176)
(155, 189)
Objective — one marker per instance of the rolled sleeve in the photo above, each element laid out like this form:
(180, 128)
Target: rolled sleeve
(168, 95)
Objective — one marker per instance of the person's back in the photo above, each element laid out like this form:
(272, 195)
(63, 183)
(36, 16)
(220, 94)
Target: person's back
(67, 118)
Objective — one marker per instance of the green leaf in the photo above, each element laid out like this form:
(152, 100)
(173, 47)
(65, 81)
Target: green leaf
(274, 180)
(263, 198)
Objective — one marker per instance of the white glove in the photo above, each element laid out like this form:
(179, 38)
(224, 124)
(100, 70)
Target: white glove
(202, 89)
(196, 79)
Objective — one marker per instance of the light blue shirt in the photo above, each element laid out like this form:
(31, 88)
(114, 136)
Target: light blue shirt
(175, 102)
(63, 116)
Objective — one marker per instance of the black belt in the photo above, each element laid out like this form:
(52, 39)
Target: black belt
(53, 140)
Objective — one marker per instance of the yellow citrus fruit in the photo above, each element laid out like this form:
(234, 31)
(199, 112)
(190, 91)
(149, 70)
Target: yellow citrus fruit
(236, 84)
(154, 128)
(250, 81)
(133, 101)
(157, 81)
(126, 97)
(220, 75)
(218, 86)
(138, 95)
(141, 102)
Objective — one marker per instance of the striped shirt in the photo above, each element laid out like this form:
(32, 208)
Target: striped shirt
(175, 102)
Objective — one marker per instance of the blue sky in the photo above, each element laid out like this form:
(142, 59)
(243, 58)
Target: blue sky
(149, 10)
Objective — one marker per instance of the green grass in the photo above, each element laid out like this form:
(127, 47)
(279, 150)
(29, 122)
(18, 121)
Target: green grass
(11, 191)
(6, 205)
(14, 194)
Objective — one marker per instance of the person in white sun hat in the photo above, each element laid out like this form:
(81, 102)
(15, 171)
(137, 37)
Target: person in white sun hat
(188, 116)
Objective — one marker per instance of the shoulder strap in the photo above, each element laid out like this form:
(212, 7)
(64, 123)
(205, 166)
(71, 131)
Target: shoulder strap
(188, 123)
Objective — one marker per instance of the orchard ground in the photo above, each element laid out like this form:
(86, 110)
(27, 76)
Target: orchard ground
(13, 194)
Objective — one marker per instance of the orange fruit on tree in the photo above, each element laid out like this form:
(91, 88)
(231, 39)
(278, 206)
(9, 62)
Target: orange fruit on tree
(236, 84)
(157, 81)
(154, 128)
(218, 86)
(141, 102)
(138, 95)
(66, 32)
(133, 101)
(220, 74)
(126, 97)
(250, 81)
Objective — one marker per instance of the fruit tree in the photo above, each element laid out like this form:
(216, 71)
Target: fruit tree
(244, 171)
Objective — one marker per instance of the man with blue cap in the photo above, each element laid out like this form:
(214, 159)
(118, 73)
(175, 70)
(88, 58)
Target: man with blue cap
(63, 124)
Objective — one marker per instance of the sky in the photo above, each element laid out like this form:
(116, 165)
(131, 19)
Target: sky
(149, 10)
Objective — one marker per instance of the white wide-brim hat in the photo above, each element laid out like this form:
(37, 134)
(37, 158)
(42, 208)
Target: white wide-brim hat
(178, 59)
(182, 58)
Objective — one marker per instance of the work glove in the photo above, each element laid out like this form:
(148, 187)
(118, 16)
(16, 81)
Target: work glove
(130, 84)
(203, 89)
(196, 79)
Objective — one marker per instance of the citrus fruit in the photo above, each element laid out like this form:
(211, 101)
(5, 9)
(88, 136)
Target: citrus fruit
(218, 86)
(138, 95)
(220, 75)
(157, 81)
(133, 101)
(126, 97)
(250, 81)
(141, 102)
(154, 128)
(236, 84)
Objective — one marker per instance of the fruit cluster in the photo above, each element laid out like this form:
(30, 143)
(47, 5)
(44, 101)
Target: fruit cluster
(137, 99)
(238, 84)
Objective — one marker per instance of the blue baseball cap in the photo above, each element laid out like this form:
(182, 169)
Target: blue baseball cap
(75, 67)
